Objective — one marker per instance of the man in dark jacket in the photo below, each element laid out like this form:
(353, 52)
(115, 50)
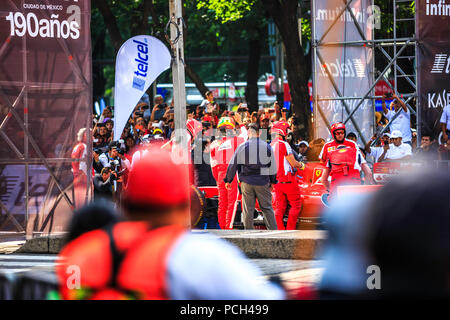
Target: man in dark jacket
(255, 163)
(103, 184)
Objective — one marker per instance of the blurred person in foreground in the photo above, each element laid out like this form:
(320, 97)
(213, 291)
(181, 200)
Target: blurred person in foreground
(407, 243)
(153, 255)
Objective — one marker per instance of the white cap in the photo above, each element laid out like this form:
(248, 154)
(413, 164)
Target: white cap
(396, 134)
(386, 134)
(301, 142)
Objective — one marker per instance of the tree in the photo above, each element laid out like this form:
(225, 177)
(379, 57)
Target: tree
(144, 18)
(284, 14)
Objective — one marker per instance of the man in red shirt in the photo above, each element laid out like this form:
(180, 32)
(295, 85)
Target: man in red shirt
(287, 190)
(222, 151)
(343, 160)
(79, 168)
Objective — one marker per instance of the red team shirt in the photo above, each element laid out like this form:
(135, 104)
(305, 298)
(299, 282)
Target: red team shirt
(282, 149)
(331, 146)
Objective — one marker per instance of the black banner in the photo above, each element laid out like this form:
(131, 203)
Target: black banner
(433, 62)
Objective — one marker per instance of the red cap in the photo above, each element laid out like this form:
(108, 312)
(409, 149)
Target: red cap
(280, 127)
(194, 127)
(156, 180)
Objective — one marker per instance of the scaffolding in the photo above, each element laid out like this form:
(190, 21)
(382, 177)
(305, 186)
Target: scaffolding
(31, 103)
(403, 47)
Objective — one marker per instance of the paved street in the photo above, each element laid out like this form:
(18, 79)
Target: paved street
(294, 273)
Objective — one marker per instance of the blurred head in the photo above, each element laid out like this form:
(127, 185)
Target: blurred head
(426, 141)
(109, 125)
(253, 130)
(395, 104)
(102, 131)
(105, 173)
(411, 249)
(159, 99)
(130, 142)
(113, 151)
(265, 121)
(140, 122)
(386, 137)
(81, 135)
(303, 147)
(107, 112)
(209, 96)
(94, 215)
(352, 136)
(157, 190)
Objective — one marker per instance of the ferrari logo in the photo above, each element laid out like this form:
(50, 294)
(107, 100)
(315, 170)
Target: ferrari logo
(318, 173)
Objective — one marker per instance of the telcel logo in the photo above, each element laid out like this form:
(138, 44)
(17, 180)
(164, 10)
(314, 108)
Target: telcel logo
(344, 69)
(142, 66)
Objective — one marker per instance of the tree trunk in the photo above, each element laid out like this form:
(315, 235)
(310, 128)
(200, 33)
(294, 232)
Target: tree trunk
(111, 23)
(149, 9)
(284, 14)
(254, 55)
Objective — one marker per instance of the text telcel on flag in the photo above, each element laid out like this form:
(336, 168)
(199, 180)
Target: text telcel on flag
(139, 62)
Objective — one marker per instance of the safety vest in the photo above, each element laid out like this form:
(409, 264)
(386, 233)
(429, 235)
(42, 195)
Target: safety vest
(342, 162)
(124, 261)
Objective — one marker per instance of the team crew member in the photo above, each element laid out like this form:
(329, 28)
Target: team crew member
(287, 190)
(221, 153)
(79, 168)
(153, 255)
(256, 166)
(343, 160)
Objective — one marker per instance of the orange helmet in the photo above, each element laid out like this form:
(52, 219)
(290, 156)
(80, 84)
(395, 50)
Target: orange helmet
(337, 126)
(194, 127)
(156, 180)
(281, 128)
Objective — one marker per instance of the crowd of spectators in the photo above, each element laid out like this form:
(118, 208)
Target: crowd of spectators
(394, 140)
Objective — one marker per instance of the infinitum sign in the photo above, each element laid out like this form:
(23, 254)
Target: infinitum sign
(342, 70)
(433, 65)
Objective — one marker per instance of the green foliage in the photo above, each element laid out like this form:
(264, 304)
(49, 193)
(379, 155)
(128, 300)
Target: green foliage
(227, 10)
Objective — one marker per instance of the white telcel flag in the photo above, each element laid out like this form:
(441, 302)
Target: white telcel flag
(139, 62)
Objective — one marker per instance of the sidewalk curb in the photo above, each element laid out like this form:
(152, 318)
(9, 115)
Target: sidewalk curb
(296, 244)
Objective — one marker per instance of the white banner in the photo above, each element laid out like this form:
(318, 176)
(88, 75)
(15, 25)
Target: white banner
(139, 62)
